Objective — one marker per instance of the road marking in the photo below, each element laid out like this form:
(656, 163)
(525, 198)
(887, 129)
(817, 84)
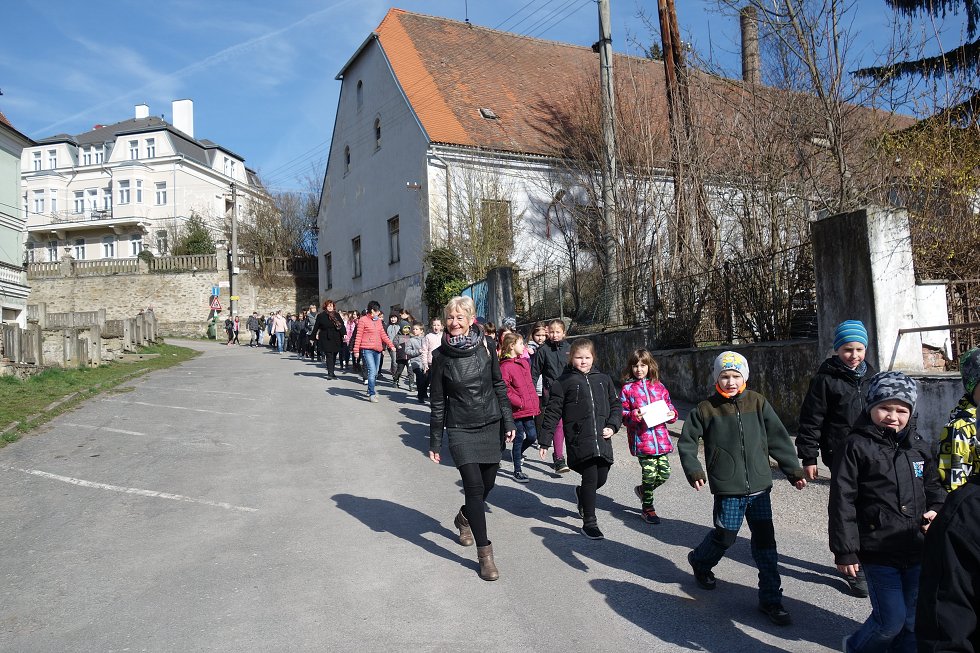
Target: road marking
(130, 490)
(213, 392)
(196, 410)
(102, 428)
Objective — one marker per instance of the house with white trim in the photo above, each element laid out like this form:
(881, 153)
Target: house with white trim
(13, 277)
(118, 189)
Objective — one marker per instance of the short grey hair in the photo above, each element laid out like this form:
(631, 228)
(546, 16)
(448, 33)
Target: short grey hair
(461, 303)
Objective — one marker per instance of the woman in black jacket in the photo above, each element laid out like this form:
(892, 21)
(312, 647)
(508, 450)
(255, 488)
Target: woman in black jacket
(329, 331)
(469, 400)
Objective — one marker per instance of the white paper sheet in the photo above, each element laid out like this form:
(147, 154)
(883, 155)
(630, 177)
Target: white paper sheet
(656, 413)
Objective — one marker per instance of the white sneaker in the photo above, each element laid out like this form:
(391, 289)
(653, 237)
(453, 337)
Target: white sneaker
(374, 399)
(365, 382)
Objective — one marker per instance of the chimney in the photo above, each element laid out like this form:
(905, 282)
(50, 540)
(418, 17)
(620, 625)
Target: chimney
(142, 111)
(183, 116)
(751, 68)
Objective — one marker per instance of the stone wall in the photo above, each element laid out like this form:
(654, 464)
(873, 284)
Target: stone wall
(779, 370)
(180, 299)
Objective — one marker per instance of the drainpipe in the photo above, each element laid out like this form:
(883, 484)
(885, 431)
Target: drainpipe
(449, 208)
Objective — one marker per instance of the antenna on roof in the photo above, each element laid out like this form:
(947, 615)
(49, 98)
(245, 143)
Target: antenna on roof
(466, 11)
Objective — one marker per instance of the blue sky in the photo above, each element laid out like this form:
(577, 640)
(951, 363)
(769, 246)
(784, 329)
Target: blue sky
(261, 74)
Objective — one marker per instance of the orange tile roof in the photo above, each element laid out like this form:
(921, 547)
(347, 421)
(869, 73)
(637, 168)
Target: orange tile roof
(450, 70)
(4, 120)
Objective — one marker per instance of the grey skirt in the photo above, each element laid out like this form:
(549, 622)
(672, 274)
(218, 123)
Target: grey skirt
(476, 445)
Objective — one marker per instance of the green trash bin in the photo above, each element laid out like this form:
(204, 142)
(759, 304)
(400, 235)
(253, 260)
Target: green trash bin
(213, 328)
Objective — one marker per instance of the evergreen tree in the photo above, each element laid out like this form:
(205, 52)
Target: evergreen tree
(964, 58)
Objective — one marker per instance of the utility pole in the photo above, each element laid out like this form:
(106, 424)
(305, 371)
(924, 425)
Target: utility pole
(604, 48)
(233, 268)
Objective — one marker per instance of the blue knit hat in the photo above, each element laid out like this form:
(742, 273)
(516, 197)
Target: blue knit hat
(850, 331)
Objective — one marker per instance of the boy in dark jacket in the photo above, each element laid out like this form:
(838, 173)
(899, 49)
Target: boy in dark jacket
(587, 402)
(959, 446)
(946, 618)
(741, 431)
(884, 493)
(832, 405)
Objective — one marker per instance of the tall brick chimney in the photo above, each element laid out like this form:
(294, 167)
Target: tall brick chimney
(751, 65)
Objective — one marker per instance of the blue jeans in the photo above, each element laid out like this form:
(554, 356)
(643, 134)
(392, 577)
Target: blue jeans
(372, 359)
(891, 626)
(728, 515)
(525, 433)
(280, 340)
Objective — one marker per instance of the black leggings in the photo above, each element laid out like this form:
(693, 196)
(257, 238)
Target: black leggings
(478, 479)
(594, 473)
(331, 361)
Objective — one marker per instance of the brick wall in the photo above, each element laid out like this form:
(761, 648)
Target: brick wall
(180, 300)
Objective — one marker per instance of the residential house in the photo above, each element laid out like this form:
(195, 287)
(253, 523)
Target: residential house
(444, 128)
(13, 278)
(118, 189)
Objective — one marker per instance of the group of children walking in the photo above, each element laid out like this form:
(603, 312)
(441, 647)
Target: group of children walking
(887, 482)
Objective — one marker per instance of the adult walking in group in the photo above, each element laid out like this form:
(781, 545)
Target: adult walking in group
(469, 399)
(279, 331)
(329, 332)
(370, 340)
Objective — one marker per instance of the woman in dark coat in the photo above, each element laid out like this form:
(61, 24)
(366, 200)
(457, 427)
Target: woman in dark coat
(469, 400)
(329, 331)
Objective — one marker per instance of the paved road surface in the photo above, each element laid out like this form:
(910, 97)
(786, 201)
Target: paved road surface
(240, 502)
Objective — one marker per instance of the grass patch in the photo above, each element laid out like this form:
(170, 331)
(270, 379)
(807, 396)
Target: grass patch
(27, 404)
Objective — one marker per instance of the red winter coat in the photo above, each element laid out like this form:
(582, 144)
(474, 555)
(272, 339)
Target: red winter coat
(371, 335)
(520, 388)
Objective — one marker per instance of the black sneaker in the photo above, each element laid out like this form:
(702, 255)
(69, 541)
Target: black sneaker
(561, 466)
(592, 532)
(704, 578)
(578, 502)
(858, 585)
(521, 477)
(776, 614)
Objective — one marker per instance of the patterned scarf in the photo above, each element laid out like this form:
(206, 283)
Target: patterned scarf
(465, 341)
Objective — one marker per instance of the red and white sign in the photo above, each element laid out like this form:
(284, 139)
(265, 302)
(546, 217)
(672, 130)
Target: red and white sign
(215, 304)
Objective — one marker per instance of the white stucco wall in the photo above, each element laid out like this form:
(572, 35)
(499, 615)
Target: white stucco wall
(359, 202)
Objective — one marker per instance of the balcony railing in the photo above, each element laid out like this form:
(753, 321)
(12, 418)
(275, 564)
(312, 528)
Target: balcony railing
(13, 274)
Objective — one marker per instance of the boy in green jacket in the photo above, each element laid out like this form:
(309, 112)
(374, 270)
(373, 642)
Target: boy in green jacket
(740, 430)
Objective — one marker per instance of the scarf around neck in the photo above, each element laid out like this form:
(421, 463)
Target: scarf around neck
(464, 341)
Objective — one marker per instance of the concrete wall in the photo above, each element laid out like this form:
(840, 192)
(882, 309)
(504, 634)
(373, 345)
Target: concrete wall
(180, 300)
(779, 370)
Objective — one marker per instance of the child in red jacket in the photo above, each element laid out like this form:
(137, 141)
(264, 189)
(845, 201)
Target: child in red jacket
(516, 372)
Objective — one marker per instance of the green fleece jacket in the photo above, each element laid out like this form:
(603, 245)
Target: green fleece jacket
(740, 434)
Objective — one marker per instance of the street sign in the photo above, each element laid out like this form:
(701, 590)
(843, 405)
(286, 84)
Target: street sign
(235, 298)
(215, 304)
(214, 291)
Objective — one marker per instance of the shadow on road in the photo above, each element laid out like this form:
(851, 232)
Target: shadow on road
(686, 619)
(404, 523)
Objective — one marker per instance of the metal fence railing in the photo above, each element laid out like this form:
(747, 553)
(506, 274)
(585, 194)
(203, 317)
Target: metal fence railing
(761, 299)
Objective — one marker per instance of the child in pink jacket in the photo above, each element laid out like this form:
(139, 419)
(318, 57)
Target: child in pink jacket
(516, 371)
(650, 444)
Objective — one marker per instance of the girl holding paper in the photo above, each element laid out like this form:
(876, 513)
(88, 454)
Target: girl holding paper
(647, 410)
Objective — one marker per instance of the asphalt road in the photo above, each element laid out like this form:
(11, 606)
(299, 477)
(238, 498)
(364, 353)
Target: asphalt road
(241, 502)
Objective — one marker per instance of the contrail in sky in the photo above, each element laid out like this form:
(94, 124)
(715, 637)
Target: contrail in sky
(198, 65)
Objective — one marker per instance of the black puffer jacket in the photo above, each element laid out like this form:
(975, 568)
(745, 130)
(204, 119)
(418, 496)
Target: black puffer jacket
(949, 590)
(831, 407)
(550, 360)
(882, 485)
(466, 391)
(587, 403)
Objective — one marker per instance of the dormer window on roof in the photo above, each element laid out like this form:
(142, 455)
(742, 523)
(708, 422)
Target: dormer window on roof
(488, 113)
